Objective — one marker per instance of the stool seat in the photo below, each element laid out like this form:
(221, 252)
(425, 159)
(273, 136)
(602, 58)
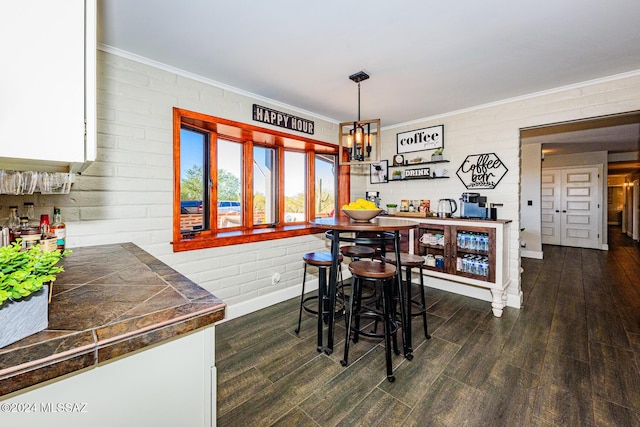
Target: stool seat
(372, 269)
(320, 259)
(406, 259)
(356, 251)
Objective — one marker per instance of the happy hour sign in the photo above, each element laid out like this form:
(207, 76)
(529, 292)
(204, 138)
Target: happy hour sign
(481, 171)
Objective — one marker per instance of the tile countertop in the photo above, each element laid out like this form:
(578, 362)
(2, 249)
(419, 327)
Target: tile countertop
(110, 300)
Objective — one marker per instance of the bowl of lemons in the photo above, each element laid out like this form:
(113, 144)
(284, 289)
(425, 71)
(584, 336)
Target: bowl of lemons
(361, 210)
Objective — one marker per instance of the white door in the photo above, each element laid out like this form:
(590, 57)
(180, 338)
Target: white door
(551, 190)
(571, 204)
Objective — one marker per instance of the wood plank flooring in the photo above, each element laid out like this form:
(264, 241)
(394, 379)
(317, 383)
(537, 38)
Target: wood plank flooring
(569, 357)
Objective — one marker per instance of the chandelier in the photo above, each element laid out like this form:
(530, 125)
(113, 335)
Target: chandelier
(359, 141)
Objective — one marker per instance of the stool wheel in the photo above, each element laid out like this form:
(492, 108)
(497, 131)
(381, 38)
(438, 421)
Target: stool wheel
(409, 356)
(391, 378)
(343, 362)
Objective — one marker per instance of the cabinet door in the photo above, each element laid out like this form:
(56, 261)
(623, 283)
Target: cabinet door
(432, 241)
(42, 80)
(473, 252)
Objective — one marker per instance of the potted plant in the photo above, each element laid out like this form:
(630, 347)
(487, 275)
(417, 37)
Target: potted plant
(391, 208)
(437, 155)
(25, 281)
(397, 174)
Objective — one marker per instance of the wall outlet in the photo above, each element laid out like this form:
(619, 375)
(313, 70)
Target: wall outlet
(275, 279)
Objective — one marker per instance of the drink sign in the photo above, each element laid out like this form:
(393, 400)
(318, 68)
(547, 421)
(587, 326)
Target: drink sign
(481, 171)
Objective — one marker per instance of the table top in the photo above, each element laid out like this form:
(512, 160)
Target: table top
(110, 301)
(376, 224)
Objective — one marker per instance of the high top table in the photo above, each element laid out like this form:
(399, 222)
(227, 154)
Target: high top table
(389, 226)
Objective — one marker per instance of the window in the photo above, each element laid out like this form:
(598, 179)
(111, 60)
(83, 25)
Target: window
(238, 183)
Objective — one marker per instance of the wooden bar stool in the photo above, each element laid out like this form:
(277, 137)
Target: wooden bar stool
(384, 274)
(356, 252)
(321, 260)
(409, 262)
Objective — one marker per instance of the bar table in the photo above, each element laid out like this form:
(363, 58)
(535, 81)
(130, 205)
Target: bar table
(387, 228)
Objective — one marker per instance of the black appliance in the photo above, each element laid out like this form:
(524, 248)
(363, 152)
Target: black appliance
(473, 205)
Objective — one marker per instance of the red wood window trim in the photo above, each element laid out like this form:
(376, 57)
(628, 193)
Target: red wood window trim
(248, 135)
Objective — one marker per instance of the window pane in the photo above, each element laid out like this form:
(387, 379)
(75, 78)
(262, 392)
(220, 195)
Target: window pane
(295, 180)
(193, 149)
(325, 185)
(264, 201)
(229, 184)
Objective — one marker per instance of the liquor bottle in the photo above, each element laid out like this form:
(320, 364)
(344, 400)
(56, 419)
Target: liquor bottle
(59, 229)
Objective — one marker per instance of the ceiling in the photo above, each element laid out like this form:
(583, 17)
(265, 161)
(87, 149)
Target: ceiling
(425, 58)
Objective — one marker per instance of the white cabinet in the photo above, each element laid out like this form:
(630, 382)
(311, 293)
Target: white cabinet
(166, 385)
(47, 82)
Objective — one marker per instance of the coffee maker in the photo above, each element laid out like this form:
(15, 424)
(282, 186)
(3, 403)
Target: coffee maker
(373, 196)
(473, 205)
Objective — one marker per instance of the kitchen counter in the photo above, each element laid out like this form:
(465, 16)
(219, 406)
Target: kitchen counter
(110, 301)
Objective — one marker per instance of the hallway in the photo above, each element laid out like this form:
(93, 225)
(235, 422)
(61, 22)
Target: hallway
(569, 357)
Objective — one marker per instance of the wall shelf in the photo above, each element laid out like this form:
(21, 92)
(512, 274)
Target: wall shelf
(418, 164)
(419, 177)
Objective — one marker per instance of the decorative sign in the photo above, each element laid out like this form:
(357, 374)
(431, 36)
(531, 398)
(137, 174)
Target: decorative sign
(283, 120)
(379, 172)
(480, 171)
(417, 173)
(420, 140)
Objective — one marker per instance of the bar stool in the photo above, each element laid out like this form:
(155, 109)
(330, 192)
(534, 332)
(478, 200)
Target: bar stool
(356, 252)
(409, 262)
(382, 273)
(321, 260)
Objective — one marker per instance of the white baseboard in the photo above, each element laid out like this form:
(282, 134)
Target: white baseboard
(531, 254)
(240, 309)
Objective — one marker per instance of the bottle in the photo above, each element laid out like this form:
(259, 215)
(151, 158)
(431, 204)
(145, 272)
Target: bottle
(44, 225)
(58, 229)
(29, 212)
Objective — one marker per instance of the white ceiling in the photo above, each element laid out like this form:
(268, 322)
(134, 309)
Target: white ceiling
(424, 57)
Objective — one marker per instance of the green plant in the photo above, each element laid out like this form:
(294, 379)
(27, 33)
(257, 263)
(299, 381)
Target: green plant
(25, 272)
(397, 173)
(392, 205)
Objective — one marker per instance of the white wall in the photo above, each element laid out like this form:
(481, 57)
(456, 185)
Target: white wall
(495, 128)
(530, 218)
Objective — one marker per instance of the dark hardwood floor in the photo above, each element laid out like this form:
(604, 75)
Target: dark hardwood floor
(569, 357)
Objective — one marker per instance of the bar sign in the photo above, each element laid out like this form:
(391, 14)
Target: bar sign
(280, 119)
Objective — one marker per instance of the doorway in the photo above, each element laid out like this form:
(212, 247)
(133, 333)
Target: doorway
(571, 213)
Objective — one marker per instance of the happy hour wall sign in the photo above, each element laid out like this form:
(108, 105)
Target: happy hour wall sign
(481, 171)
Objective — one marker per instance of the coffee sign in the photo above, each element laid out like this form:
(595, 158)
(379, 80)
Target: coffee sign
(481, 171)
(421, 139)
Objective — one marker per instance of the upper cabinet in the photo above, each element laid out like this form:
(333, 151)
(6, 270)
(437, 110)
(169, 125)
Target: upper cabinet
(47, 85)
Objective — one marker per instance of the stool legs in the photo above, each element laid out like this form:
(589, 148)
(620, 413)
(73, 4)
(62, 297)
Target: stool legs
(323, 301)
(423, 306)
(304, 279)
(388, 315)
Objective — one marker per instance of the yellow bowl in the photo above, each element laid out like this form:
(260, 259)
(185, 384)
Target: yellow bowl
(361, 215)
